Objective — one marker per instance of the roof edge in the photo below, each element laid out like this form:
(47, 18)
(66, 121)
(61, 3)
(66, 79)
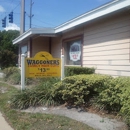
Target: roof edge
(34, 31)
(93, 14)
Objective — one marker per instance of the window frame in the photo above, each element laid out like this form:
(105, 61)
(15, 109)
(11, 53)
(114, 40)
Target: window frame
(69, 40)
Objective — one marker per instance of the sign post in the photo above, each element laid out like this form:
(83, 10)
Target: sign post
(42, 65)
(23, 71)
(62, 67)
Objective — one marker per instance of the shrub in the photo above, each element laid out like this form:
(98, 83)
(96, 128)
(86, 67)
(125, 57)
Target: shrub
(7, 58)
(125, 99)
(33, 81)
(110, 93)
(125, 109)
(70, 71)
(10, 70)
(12, 75)
(110, 97)
(15, 78)
(28, 97)
(115, 97)
(77, 90)
(38, 95)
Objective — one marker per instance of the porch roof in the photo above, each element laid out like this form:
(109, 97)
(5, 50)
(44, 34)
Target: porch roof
(34, 31)
(104, 10)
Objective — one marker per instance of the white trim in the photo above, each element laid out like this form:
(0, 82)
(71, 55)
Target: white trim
(21, 37)
(33, 31)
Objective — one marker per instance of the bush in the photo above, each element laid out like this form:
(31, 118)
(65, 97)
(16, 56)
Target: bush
(125, 109)
(70, 71)
(112, 96)
(14, 78)
(7, 58)
(12, 75)
(10, 70)
(77, 90)
(116, 97)
(38, 95)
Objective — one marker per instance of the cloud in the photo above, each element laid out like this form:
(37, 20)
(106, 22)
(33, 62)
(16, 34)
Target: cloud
(2, 9)
(12, 26)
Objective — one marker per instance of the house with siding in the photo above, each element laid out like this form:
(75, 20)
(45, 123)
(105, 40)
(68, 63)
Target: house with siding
(99, 38)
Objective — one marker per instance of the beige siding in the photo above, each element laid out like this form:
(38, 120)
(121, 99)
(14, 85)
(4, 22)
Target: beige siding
(107, 46)
(56, 47)
(40, 44)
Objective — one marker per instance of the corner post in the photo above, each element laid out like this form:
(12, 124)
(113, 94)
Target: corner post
(23, 71)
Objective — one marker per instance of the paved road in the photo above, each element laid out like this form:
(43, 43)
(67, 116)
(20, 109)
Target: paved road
(3, 123)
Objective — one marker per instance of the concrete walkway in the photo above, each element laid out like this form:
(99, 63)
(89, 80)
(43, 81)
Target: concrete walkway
(3, 123)
(93, 120)
(1, 75)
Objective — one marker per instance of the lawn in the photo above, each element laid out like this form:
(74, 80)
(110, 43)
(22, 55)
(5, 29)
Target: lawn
(34, 121)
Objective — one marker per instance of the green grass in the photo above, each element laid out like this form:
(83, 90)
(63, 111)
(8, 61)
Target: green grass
(34, 121)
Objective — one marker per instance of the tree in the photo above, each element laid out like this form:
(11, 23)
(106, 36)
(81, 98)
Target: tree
(8, 51)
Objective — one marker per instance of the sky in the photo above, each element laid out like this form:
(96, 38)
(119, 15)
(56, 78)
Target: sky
(46, 13)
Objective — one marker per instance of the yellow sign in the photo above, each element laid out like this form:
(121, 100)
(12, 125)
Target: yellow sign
(43, 65)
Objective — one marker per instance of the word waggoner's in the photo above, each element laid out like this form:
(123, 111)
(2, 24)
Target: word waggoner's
(51, 62)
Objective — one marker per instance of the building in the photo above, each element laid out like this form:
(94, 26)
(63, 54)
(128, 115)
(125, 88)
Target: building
(99, 38)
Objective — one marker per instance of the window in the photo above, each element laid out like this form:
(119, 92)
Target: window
(24, 49)
(73, 52)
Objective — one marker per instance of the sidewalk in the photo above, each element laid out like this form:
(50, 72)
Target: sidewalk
(3, 123)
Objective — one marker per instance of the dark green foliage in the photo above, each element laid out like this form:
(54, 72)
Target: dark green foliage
(7, 58)
(116, 97)
(8, 51)
(77, 90)
(70, 70)
(125, 109)
(39, 95)
(6, 38)
(112, 94)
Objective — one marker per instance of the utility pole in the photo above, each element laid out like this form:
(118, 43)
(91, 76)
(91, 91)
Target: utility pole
(31, 3)
(22, 23)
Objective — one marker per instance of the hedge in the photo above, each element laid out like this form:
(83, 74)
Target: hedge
(70, 70)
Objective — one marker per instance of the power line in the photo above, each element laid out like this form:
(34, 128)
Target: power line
(12, 9)
(17, 5)
(31, 15)
(12, 12)
(44, 22)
